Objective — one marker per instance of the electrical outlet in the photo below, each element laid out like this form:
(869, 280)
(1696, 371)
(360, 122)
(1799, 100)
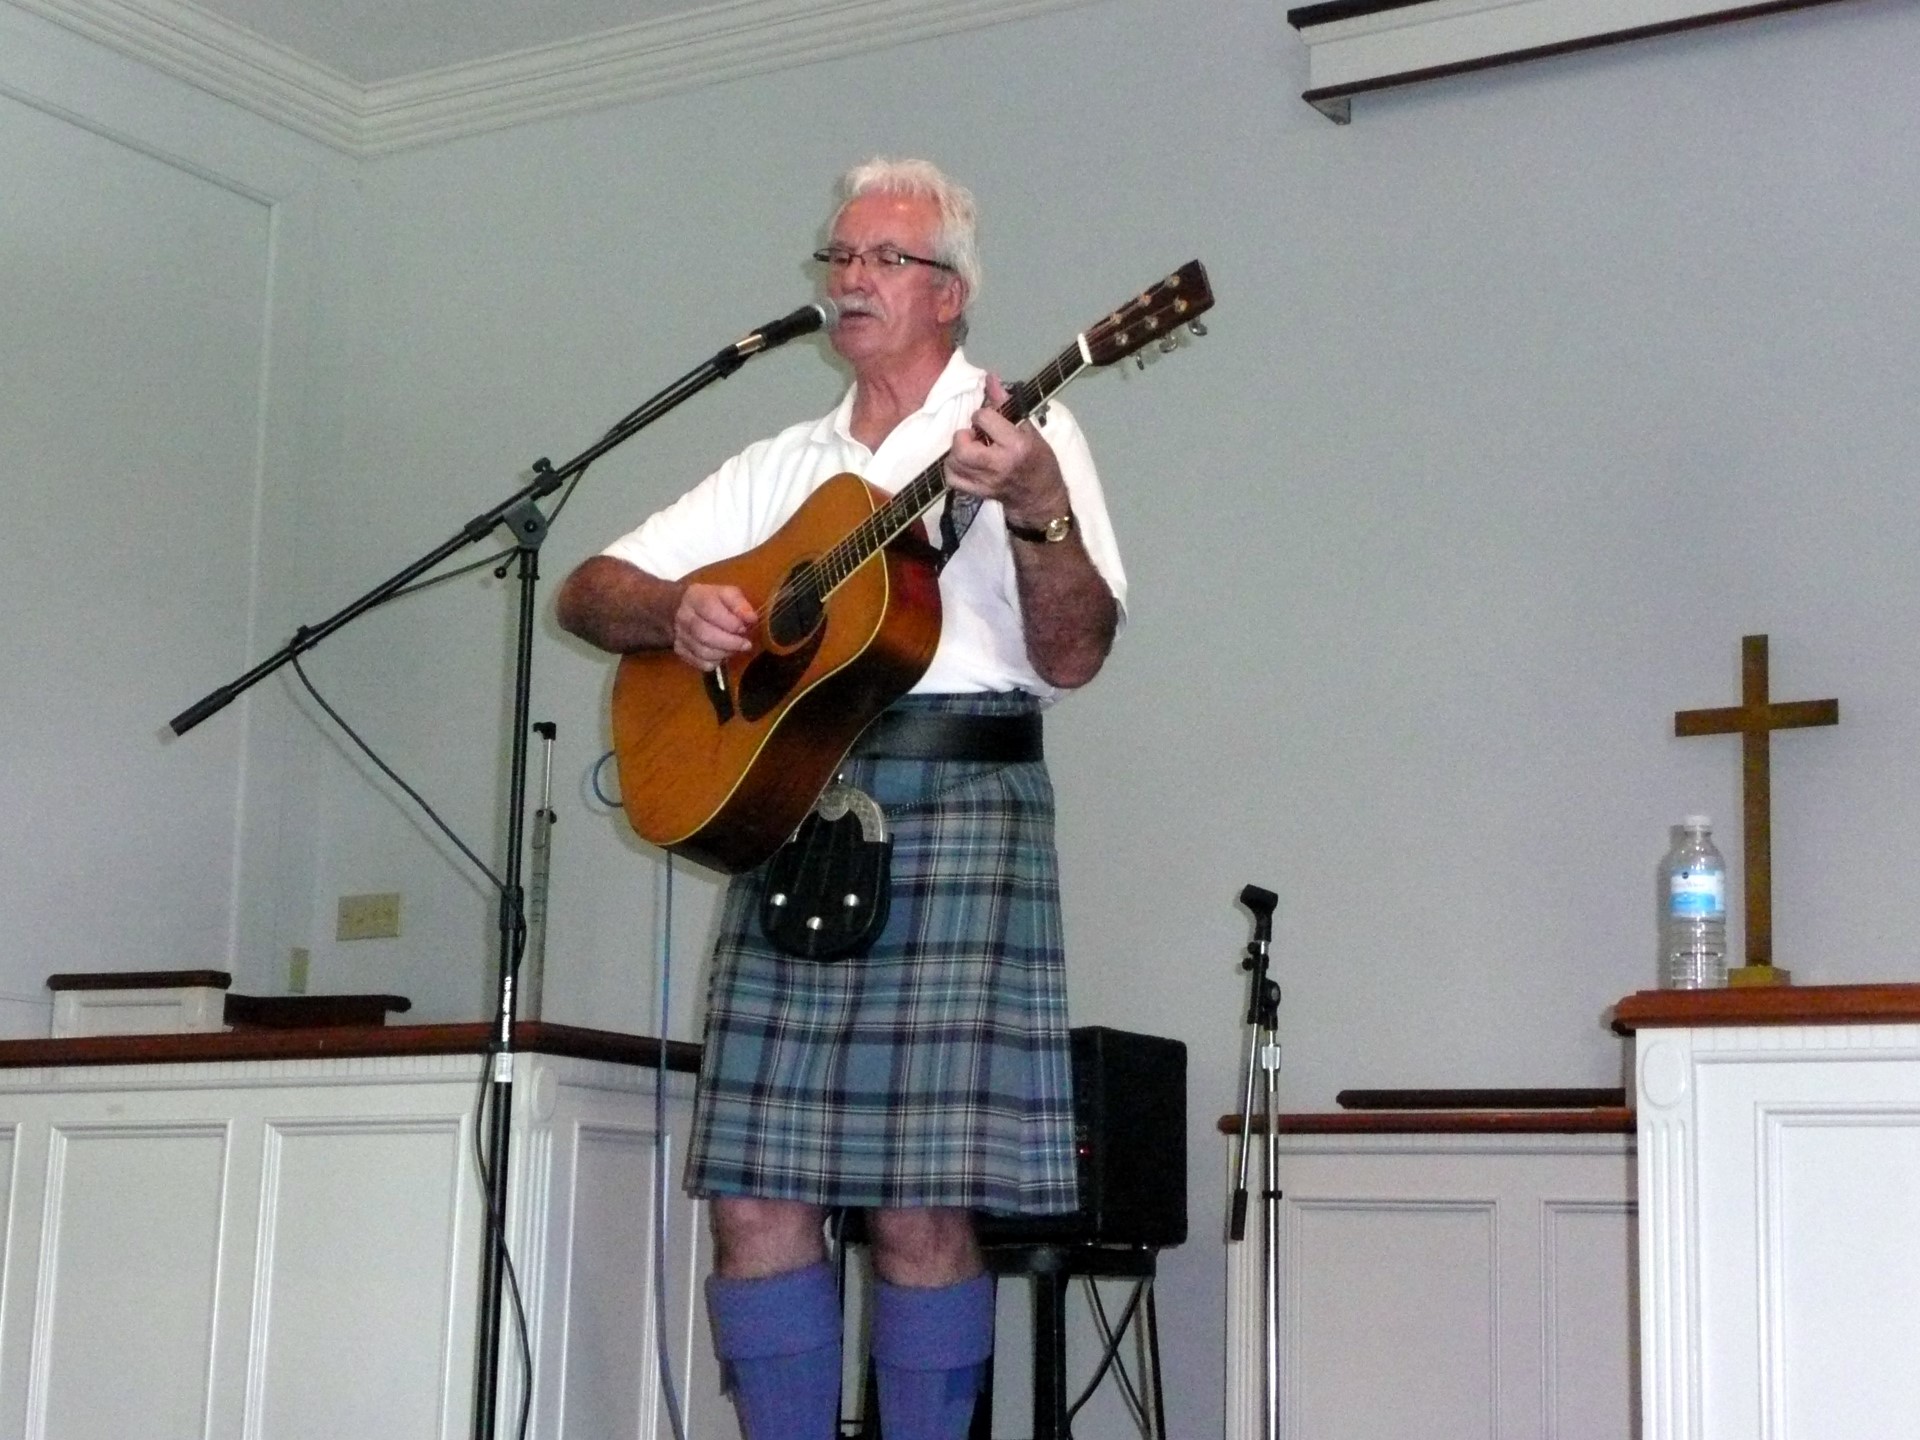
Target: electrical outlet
(297, 963)
(368, 917)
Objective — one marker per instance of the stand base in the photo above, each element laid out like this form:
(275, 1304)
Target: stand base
(1759, 975)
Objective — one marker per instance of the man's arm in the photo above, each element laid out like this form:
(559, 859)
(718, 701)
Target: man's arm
(621, 608)
(1069, 613)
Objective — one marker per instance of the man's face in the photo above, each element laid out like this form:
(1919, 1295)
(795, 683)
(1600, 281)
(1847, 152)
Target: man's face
(891, 312)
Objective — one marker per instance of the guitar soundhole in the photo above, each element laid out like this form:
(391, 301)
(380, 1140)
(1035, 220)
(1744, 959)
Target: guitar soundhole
(796, 610)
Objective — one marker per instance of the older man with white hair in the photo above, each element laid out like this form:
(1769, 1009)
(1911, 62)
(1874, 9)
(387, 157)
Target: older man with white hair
(928, 1077)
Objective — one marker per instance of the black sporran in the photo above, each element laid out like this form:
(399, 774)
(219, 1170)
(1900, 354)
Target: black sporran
(828, 886)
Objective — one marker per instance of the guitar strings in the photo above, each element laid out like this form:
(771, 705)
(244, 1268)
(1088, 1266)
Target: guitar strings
(802, 587)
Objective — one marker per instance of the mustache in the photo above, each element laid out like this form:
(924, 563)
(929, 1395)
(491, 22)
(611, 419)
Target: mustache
(858, 305)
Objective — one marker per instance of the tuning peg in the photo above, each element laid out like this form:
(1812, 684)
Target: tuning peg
(1197, 327)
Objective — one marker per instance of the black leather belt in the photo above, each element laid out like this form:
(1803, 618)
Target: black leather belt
(945, 735)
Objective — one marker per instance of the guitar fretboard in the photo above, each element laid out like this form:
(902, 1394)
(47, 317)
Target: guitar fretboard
(917, 496)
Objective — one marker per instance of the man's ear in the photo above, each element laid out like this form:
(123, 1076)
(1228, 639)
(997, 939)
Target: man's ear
(953, 302)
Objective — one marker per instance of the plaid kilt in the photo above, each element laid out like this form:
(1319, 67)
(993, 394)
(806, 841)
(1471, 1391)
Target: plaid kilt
(935, 1069)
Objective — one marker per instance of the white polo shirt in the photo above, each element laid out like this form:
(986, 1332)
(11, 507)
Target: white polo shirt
(982, 643)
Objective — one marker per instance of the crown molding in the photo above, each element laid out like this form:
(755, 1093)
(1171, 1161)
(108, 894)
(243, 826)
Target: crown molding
(719, 42)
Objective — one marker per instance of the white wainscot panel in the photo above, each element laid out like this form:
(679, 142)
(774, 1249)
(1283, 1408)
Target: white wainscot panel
(592, 1176)
(123, 1339)
(291, 1248)
(1455, 1286)
(1391, 1311)
(360, 1222)
(1841, 1324)
(1591, 1320)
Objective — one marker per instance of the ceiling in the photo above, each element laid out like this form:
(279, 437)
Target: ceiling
(373, 76)
(370, 41)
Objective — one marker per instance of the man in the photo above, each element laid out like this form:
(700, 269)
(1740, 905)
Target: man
(929, 1077)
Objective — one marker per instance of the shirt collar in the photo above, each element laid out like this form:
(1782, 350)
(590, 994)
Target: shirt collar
(958, 377)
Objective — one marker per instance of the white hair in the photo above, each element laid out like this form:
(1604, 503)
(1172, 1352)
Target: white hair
(954, 243)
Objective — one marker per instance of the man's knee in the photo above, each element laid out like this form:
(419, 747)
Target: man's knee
(924, 1247)
(753, 1238)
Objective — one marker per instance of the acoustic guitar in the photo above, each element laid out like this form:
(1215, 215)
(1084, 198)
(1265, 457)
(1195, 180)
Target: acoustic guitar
(720, 766)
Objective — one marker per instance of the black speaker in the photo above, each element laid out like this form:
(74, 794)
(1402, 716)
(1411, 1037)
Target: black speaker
(1130, 1142)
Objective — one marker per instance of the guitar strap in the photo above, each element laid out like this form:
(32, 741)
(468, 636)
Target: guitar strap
(956, 516)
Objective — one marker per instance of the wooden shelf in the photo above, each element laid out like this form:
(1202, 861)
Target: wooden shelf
(1605, 1120)
(1769, 1005)
(342, 1041)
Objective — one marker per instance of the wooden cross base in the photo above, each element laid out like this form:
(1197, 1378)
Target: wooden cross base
(1759, 975)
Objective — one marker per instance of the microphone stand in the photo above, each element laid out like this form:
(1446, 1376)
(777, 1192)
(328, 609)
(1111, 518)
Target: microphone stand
(1263, 1055)
(522, 516)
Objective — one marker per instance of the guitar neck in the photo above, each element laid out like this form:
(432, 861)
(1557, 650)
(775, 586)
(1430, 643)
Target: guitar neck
(918, 496)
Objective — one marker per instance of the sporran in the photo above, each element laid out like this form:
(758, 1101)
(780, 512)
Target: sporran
(828, 885)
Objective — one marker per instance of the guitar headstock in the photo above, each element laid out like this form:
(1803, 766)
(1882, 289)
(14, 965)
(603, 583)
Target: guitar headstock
(1159, 314)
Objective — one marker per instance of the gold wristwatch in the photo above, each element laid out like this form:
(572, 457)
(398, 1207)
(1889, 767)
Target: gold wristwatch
(1052, 533)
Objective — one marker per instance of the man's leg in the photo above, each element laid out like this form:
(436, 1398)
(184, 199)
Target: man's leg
(775, 1310)
(932, 1322)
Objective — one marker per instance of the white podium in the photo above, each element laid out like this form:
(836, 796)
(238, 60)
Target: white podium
(1779, 1145)
(277, 1233)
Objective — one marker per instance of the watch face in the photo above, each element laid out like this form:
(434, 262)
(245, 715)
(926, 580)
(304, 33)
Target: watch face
(1058, 529)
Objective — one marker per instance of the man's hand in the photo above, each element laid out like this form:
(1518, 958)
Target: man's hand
(609, 603)
(710, 623)
(998, 460)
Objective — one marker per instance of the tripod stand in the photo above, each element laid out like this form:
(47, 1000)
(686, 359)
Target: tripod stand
(1263, 1055)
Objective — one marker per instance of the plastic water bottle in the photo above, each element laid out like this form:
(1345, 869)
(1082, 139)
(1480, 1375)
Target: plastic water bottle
(1693, 929)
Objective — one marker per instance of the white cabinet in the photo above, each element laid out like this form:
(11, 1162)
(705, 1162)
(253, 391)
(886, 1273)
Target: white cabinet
(1779, 1185)
(1473, 1283)
(290, 1247)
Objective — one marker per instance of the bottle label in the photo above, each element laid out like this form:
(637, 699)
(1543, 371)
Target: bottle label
(1696, 893)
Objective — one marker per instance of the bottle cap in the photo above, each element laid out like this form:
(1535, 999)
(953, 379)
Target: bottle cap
(1696, 822)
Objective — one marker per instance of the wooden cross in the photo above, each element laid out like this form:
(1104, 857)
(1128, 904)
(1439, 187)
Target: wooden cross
(1754, 720)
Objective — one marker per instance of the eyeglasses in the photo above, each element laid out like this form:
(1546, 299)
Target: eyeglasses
(890, 257)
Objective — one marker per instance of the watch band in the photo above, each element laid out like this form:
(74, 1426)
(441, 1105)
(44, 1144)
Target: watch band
(1052, 533)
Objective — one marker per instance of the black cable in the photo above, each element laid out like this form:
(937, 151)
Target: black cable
(1112, 1339)
(497, 1239)
(1134, 1402)
(662, 1353)
(391, 774)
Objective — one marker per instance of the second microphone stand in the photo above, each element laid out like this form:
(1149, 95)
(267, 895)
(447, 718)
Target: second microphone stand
(1263, 1059)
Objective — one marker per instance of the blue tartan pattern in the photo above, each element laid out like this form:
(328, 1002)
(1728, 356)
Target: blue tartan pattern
(934, 1070)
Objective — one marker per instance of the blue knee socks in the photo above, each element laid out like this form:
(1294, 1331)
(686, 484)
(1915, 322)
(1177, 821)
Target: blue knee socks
(930, 1349)
(778, 1340)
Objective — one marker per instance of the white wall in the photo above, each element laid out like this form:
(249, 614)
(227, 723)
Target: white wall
(1528, 394)
(157, 366)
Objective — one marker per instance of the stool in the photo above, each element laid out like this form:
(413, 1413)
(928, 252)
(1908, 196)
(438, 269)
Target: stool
(1048, 1268)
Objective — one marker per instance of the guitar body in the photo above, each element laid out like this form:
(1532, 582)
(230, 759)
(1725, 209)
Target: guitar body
(721, 767)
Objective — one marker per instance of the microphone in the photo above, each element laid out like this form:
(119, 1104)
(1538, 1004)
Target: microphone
(1261, 903)
(815, 315)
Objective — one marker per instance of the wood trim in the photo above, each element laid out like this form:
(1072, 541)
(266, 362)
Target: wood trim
(341, 1042)
(1769, 1005)
(1607, 1120)
(306, 1012)
(140, 980)
(1535, 1099)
